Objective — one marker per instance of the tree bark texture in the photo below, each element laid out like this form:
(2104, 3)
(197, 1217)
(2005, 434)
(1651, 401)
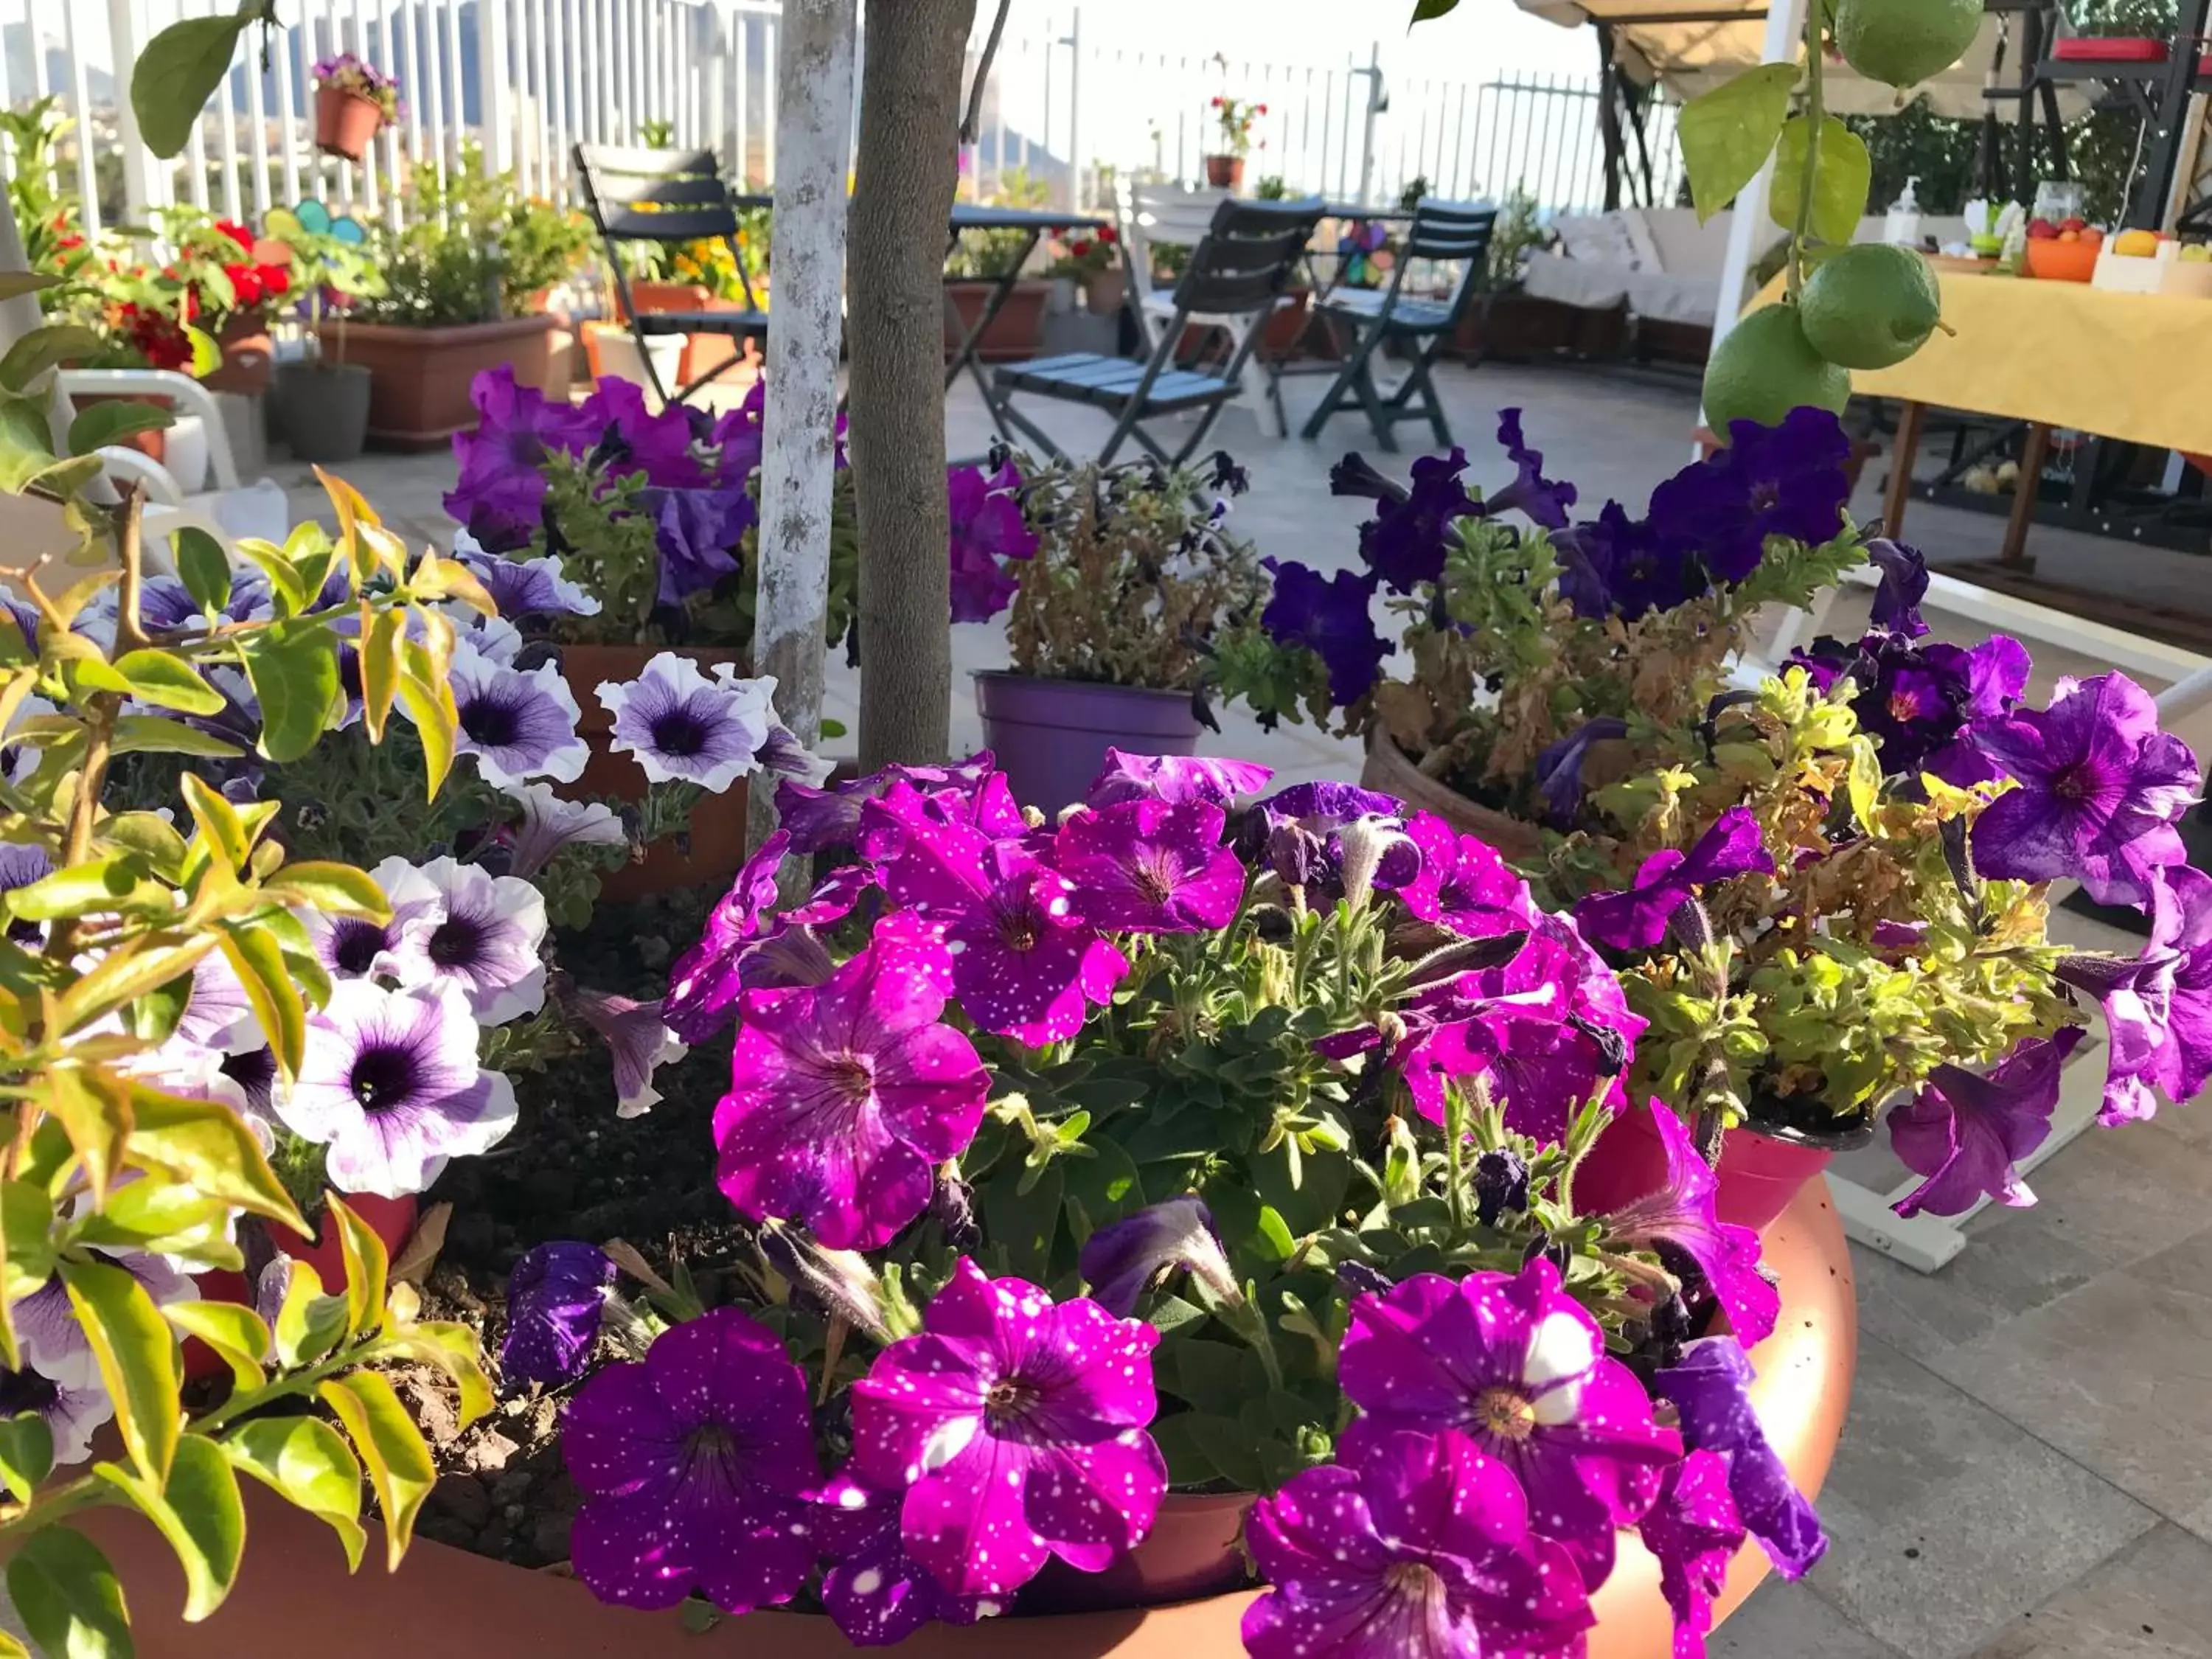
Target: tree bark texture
(907, 170)
(814, 118)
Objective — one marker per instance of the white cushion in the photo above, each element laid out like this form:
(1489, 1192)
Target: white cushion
(1667, 298)
(1687, 248)
(1598, 237)
(1586, 284)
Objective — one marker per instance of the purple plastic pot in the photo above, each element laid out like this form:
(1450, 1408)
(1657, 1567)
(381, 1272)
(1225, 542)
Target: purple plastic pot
(1051, 736)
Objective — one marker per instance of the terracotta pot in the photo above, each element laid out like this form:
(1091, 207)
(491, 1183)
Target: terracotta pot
(1017, 332)
(1761, 1173)
(702, 353)
(1225, 172)
(1051, 736)
(1104, 294)
(249, 355)
(345, 122)
(1193, 1550)
(1389, 770)
(715, 848)
(154, 442)
(446, 1604)
(419, 377)
(391, 1219)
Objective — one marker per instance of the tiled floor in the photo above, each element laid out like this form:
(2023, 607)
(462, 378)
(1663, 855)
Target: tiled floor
(2027, 1472)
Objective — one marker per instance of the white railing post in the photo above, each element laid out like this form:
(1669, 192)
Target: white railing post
(1074, 110)
(492, 85)
(137, 160)
(1376, 103)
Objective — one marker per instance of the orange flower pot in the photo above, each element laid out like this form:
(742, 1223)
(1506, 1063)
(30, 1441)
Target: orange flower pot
(346, 123)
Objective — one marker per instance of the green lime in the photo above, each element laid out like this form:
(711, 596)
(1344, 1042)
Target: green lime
(1765, 368)
(1870, 306)
(1905, 42)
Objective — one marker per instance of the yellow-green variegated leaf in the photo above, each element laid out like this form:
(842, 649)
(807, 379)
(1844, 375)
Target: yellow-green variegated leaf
(259, 960)
(198, 1508)
(309, 1324)
(69, 1597)
(400, 1469)
(235, 1334)
(94, 1105)
(206, 1143)
(309, 1462)
(367, 1265)
(137, 1358)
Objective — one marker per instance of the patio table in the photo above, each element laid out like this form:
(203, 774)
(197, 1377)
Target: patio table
(1036, 221)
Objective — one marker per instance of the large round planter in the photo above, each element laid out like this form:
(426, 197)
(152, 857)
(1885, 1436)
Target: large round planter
(1761, 1172)
(322, 410)
(1017, 332)
(249, 355)
(713, 848)
(346, 123)
(1389, 770)
(420, 377)
(1225, 172)
(444, 1603)
(1051, 736)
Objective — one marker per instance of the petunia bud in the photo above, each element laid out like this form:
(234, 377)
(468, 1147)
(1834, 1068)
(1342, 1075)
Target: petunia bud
(1360, 1280)
(1501, 1183)
(1121, 1261)
(841, 1280)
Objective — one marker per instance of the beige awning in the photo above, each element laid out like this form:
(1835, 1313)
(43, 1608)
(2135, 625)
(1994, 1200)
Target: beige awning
(1690, 46)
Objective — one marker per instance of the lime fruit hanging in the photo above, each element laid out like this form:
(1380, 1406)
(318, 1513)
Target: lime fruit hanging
(1905, 42)
(1765, 368)
(1870, 306)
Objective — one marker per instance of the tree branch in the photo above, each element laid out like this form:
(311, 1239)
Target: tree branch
(970, 129)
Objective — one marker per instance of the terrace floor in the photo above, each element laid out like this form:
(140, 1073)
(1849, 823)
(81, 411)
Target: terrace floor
(2027, 1470)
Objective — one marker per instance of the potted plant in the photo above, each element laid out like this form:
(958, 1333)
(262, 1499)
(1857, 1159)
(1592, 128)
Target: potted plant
(460, 280)
(322, 401)
(978, 263)
(1523, 627)
(1092, 261)
(1116, 579)
(354, 99)
(1233, 119)
(707, 275)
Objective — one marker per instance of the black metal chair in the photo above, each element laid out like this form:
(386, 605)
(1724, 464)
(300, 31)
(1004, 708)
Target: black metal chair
(671, 197)
(1441, 233)
(1239, 269)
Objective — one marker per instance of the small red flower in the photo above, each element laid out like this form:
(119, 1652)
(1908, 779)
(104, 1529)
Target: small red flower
(237, 232)
(275, 280)
(1106, 236)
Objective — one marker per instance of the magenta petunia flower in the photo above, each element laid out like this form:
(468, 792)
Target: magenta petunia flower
(1464, 884)
(2158, 1007)
(1695, 1532)
(1516, 1363)
(1680, 1216)
(1636, 918)
(1122, 1261)
(696, 1466)
(2101, 789)
(845, 1097)
(1016, 1427)
(703, 985)
(555, 1296)
(822, 819)
(1175, 779)
(988, 527)
(1417, 1548)
(1710, 1389)
(1147, 868)
(1964, 1134)
(874, 1592)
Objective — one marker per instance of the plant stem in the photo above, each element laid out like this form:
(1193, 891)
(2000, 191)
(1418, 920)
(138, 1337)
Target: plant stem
(1816, 112)
(129, 631)
(56, 1504)
(1455, 1152)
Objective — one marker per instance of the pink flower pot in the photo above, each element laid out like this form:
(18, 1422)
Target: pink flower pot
(1760, 1174)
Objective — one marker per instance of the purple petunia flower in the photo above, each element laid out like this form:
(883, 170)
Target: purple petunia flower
(874, 1592)
(1516, 1363)
(1405, 544)
(1636, 918)
(1464, 885)
(1175, 779)
(1016, 1427)
(1680, 1215)
(1786, 481)
(684, 727)
(1964, 1134)
(703, 985)
(550, 825)
(1619, 566)
(1540, 500)
(354, 947)
(637, 1036)
(518, 723)
(1331, 619)
(1694, 1531)
(844, 1097)
(2158, 1008)
(819, 819)
(1914, 697)
(72, 1415)
(696, 1466)
(2101, 789)
(217, 1015)
(390, 1082)
(1710, 1389)
(1418, 1548)
(527, 587)
(1559, 768)
(988, 527)
(1148, 867)
(501, 495)
(553, 1299)
(478, 932)
(634, 439)
(1903, 586)
(1122, 1261)
(1333, 839)
(165, 605)
(697, 533)
(51, 1339)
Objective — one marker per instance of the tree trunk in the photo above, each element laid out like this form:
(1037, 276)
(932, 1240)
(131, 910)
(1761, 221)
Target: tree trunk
(814, 120)
(907, 170)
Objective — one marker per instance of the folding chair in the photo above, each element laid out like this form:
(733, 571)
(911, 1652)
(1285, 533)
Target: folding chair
(1443, 232)
(1237, 271)
(671, 197)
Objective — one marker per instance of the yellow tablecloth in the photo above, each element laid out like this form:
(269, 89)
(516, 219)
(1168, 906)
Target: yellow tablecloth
(2131, 366)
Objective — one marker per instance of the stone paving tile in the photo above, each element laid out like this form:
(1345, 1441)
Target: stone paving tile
(1791, 1621)
(1947, 1519)
(2152, 1601)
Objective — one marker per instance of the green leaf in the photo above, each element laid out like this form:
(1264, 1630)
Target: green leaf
(293, 667)
(336, 889)
(452, 1348)
(207, 352)
(164, 1216)
(307, 1461)
(177, 72)
(150, 836)
(156, 735)
(103, 424)
(428, 701)
(367, 1264)
(69, 1597)
(159, 678)
(1026, 1223)
(1727, 133)
(400, 1471)
(204, 567)
(13, 283)
(309, 1324)
(137, 1358)
(26, 1453)
(1425, 10)
(138, 969)
(217, 819)
(291, 596)
(27, 1220)
(82, 887)
(94, 1105)
(270, 991)
(237, 1335)
(206, 1143)
(43, 348)
(1844, 176)
(26, 442)
(198, 1511)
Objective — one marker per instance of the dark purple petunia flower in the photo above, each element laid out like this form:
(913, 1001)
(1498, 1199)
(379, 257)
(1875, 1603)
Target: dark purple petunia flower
(1123, 1260)
(1559, 768)
(1636, 918)
(874, 1592)
(696, 1466)
(1147, 868)
(987, 526)
(845, 1097)
(633, 439)
(1515, 1363)
(1404, 544)
(703, 985)
(1787, 480)
(1418, 1549)
(1964, 1134)
(501, 495)
(1331, 619)
(697, 533)
(2101, 790)
(1540, 500)
(1710, 1389)
(2158, 1007)
(1332, 839)
(1681, 1214)
(1914, 697)
(554, 1298)
(1175, 779)
(1904, 585)
(1016, 1427)
(1694, 1531)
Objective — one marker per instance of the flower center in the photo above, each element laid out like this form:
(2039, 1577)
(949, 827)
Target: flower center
(382, 1078)
(255, 1071)
(1414, 1581)
(1506, 1414)
(679, 732)
(1765, 496)
(26, 1391)
(1017, 926)
(2072, 784)
(491, 724)
(852, 1079)
(355, 945)
(1154, 880)
(456, 942)
(1009, 1401)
